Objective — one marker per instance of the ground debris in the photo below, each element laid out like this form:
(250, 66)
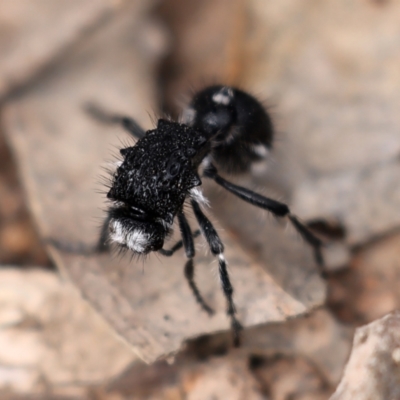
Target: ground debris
(291, 377)
(369, 289)
(51, 339)
(373, 370)
(61, 151)
(32, 35)
(329, 82)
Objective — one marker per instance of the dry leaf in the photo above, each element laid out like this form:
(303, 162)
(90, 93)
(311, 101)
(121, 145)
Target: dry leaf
(49, 334)
(369, 289)
(61, 150)
(33, 34)
(373, 370)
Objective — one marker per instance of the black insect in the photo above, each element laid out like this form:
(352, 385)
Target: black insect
(223, 129)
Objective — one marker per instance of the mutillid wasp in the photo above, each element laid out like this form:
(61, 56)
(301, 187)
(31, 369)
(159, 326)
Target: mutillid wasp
(223, 128)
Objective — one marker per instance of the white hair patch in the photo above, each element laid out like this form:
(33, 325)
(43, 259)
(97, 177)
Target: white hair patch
(197, 195)
(164, 223)
(224, 96)
(188, 116)
(206, 162)
(135, 240)
(260, 150)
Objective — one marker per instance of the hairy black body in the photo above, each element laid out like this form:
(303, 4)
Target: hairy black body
(223, 128)
(240, 129)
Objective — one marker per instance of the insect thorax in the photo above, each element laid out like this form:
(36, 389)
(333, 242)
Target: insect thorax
(158, 172)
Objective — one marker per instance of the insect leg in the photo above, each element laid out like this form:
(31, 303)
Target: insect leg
(187, 240)
(102, 243)
(217, 248)
(129, 124)
(178, 245)
(275, 207)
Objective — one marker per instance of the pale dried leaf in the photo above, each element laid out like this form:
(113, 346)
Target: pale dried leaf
(32, 34)
(219, 379)
(61, 150)
(47, 332)
(332, 79)
(317, 337)
(369, 289)
(373, 370)
(329, 80)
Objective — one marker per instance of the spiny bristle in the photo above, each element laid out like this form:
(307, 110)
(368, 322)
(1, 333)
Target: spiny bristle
(118, 252)
(125, 142)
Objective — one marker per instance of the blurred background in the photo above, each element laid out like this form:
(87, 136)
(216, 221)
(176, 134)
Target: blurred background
(75, 327)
